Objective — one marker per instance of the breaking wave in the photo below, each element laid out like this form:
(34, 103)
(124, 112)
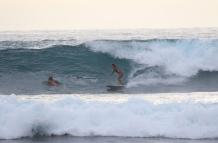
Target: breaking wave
(147, 64)
(181, 116)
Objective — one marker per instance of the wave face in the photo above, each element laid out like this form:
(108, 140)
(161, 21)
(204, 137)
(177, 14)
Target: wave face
(161, 115)
(166, 61)
(153, 61)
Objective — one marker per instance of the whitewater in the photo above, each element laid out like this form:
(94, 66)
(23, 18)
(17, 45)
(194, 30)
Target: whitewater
(175, 115)
(170, 93)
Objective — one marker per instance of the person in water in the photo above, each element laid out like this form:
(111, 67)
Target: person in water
(52, 82)
(118, 72)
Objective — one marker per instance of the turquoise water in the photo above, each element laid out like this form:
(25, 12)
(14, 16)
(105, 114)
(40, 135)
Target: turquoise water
(170, 92)
(155, 65)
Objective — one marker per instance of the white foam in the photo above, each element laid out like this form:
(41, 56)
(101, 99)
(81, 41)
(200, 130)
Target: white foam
(179, 59)
(174, 115)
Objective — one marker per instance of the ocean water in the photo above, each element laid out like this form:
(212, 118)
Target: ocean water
(170, 94)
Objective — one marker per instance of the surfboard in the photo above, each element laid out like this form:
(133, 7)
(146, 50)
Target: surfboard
(115, 87)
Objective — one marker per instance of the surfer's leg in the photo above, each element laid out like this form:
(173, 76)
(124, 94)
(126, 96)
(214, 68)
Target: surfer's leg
(120, 80)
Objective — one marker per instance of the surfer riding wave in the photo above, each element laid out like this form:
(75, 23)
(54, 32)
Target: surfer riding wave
(118, 72)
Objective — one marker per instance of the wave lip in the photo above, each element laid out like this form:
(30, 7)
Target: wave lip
(148, 65)
(134, 117)
(178, 59)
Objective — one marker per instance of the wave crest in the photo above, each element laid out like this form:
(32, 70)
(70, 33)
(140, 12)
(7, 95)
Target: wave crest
(146, 63)
(180, 58)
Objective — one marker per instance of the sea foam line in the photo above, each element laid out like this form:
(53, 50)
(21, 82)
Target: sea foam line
(132, 117)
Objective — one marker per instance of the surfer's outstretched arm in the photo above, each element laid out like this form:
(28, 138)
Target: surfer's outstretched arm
(112, 72)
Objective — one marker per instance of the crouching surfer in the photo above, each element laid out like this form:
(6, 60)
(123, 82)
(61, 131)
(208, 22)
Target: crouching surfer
(52, 82)
(118, 72)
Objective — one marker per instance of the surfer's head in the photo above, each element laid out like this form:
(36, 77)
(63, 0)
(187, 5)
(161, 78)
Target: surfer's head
(114, 66)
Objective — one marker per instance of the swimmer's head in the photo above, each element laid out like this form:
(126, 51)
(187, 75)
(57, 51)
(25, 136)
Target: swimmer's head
(50, 78)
